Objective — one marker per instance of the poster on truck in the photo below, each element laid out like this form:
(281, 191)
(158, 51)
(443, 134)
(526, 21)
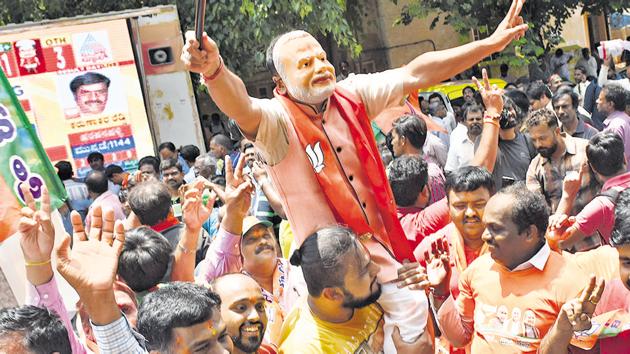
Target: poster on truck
(79, 86)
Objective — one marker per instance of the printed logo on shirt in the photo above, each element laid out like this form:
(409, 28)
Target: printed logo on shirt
(512, 327)
(315, 156)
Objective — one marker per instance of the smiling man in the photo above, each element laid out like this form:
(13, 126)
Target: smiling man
(90, 91)
(320, 130)
(243, 310)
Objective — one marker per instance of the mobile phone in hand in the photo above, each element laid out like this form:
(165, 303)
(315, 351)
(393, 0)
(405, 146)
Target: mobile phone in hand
(200, 15)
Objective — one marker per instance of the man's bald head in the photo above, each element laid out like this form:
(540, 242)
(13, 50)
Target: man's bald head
(233, 284)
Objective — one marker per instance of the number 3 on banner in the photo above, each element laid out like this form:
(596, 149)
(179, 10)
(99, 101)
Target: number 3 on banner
(61, 60)
(22, 174)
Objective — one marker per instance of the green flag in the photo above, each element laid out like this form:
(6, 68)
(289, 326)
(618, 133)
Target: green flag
(22, 161)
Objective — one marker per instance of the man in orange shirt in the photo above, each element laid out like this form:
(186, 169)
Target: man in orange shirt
(510, 296)
(319, 131)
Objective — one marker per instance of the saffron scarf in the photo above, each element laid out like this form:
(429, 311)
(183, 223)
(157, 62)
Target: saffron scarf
(333, 181)
(460, 254)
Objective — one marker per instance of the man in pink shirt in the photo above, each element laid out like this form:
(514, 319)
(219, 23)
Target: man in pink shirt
(615, 296)
(96, 182)
(605, 153)
(319, 131)
(612, 103)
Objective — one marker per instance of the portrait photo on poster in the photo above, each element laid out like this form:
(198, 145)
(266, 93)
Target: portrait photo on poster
(93, 93)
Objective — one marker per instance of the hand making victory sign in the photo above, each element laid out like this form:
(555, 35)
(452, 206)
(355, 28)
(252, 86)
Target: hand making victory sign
(578, 312)
(37, 237)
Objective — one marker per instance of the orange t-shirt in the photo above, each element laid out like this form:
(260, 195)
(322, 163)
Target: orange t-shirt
(512, 311)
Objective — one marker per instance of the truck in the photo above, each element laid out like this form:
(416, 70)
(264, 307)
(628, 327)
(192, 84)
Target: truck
(110, 83)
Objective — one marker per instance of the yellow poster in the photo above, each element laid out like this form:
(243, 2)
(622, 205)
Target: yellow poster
(80, 88)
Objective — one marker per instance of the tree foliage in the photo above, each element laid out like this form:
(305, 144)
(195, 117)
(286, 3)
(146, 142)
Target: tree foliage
(545, 17)
(241, 28)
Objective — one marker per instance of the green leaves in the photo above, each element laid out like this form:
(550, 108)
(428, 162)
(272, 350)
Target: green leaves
(242, 29)
(546, 18)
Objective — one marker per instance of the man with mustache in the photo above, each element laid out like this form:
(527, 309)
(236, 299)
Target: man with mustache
(247, 244)
(243, 310)
(90, 91)
(173, 177)
(462, 149)
(565, 104)
(340, 313)
(559, 154)
(320, 131)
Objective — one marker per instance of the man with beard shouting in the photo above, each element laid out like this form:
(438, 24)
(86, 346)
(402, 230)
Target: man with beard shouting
(320, 131)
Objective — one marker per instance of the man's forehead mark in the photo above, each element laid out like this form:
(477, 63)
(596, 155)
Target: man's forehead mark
(210, 324)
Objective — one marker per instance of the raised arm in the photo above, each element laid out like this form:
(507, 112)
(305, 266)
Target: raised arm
(37, 237)
(486, 153)
(260, 174)
(195, 213)
(434, 67)
(226, 89)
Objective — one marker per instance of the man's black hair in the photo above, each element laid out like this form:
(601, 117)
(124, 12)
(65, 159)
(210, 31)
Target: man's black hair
(468, 108)
(144, 259)
(150, 201)
(468, 88)
(112, 169)
(537, 90)
(437, 95)
(542, 116)
(189, 153)
(605, 153)
(617, 95)
(322, 258)
(621, 233)
(413, 128)
(167, 145)
(95, 156)
(41, 330)
(96, 182)
(176, 304)
(566, 91)
(150, 160)
(224, 141)
(170, 163)
(408, 176)
(64, 170)
(468, 179)
(529, 208)
(88, 78)
(521, 101)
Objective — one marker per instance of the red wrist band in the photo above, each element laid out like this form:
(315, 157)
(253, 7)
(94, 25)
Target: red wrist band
(216, 72)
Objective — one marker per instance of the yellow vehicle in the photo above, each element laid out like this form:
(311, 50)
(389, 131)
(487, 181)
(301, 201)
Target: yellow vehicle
(452, 91)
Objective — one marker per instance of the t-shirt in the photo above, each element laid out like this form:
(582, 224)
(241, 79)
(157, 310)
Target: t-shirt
(302, 332)
(513, 159)
(599, 214)
(511, 311)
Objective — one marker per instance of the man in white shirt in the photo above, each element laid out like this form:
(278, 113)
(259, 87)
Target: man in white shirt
(603, 76)
(462, 147)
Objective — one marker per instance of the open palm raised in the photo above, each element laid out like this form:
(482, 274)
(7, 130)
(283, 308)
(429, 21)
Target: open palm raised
(90, 267)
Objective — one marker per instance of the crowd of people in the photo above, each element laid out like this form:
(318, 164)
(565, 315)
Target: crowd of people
(501, 225)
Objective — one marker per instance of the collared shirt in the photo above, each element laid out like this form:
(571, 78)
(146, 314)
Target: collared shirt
(118, 337)
(461, 152)
(537, 261)
(583, 130)
(223, 257)
(107, 200)
(47, 296)
(78, 196)
(619, 123)
(545, 175)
